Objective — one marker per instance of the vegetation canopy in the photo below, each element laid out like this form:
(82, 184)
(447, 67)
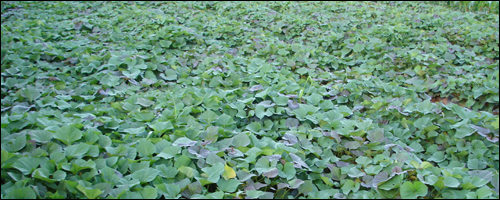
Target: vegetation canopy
(248, 100)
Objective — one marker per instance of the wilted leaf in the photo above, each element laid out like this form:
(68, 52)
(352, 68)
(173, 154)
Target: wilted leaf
(229, 172)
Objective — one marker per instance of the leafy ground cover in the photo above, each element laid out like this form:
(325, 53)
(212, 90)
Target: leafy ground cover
(248, 100)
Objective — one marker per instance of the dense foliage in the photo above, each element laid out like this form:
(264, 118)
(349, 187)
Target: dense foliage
(248, 100)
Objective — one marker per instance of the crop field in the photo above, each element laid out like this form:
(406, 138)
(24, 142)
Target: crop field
(285, 100)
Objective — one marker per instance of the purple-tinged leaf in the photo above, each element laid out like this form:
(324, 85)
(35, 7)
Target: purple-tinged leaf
(379, 178)
(259, 185)
(333, 134)
(367, 181)
(266, 104)
(357, 153)
(482, 131)
(388, 146)
(357, 138)
(358, 108)
(234, 153)
(483, 174)
(352, 145)
(295, 183)
(297, 161)
(291, 139)
(292, 122)
(292, 105)
(273, 157)
(256, 87)
(288, 95)
(396, 170)
(198, 151)
(283, 185)
(271, 173)
(376, 135)
(342, 164)
(205, 142)
(339, 196)
(183, 142)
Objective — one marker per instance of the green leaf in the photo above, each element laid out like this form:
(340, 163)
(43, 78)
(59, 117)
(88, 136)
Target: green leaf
(21, 193)
(451, 182)
(422, 123)
(241, 139)
(144, 116)
(59, 175)
(464, 131)
(348, 187)
(108, 175)
(260, 111)
(41, 136)
(280, 100)
(413, 190)
(146, 147)
(437, 157)
(145, 175)
(14, 145)
(170, 191)
(228, 185)
(449, 56)
(214, 172)
(289, 171)
(475, 164)
(77, 151)
(161, 127)
(283, 52)
(262, 165)
(225, 120)
(43, 174)
(254, 193)
(188, 171)
(392, 183)
(306, 187)
(212, 134)
(31, 93)
(149, 193)
(68, 134)
(170, 75)
(300, 112)
(165, 43)
(358, 47)
(167, 172)
(144, 102)
(170, 152)
(26, 164)
(314, 99)
(355, 172)
(484, 193)
(89, 193)
(131, 74)
(209, 116)
(254, 127)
